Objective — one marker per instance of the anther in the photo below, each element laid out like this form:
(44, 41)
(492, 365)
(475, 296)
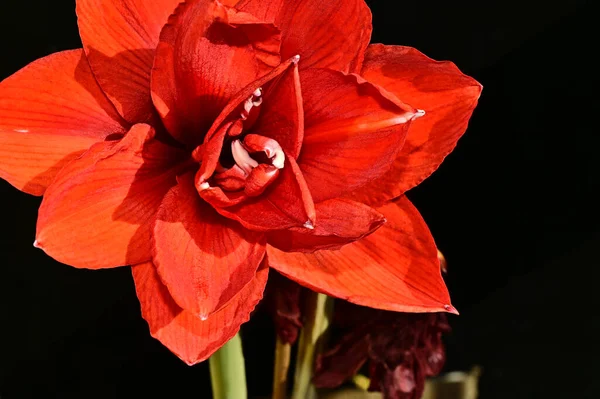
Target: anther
(253, 101)
(279, 159)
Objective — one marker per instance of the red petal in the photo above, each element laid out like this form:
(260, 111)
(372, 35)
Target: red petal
(352, 133)
(100, 209)
(396, 268)
(339, 222)
(207, 53)
(281, 113)
(203, 258)
(285, 203)
(120, 38)
(51, 111)
(191, 339)
(259, 179)
(448, 98)
(326, 34)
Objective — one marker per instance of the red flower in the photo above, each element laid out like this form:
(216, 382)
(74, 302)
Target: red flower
(191, 145)
(402, 349)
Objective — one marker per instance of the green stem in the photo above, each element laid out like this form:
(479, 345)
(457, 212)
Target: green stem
(318, 311)
(227, 371)
(280, 372)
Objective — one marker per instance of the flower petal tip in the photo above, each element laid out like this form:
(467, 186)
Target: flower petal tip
(451, 309)
(36, 244)
(309, 225)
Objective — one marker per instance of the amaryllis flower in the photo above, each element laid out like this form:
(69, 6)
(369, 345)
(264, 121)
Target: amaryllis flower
(401, 349)
(203, 143)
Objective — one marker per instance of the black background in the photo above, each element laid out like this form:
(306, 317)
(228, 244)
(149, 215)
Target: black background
(514, 209)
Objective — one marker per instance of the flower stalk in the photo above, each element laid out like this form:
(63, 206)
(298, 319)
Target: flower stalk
(228, 372)
(283, 353)
(319, 308)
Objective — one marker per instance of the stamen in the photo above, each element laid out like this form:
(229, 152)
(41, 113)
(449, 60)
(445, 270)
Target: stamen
(247, 107)
(279, 159)
(253, 101)
(242, 158)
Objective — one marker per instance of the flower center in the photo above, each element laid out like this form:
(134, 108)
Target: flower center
(249, 162)
(255, 143)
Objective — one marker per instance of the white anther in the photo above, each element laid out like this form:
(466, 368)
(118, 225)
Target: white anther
(309, 225)
(242, 158)
(279, 159)
(296, 58)
(275, 153)
(248, 104)
(204, 186)
(254, 101)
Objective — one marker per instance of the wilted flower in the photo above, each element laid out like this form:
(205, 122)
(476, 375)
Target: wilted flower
(284, 300)
(401, 349)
